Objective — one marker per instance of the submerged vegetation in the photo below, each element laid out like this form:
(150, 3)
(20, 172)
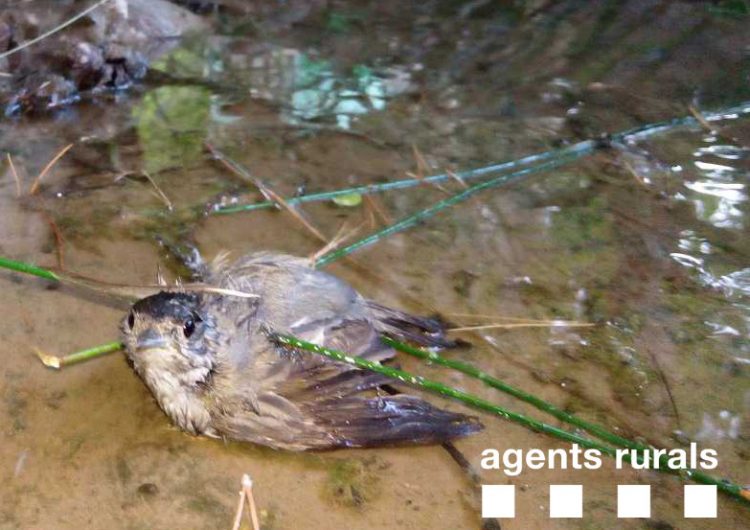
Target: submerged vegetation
(608, 277)
(352, 483)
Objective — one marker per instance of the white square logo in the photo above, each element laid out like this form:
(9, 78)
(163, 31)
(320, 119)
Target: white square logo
(633, 501)
(566, 501)
(700, 501)
(498, 501)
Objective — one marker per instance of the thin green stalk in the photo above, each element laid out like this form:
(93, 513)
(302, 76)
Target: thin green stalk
(439, 388)
(27, 268)
(421, 215)
(53, 361)
(645, 131)
(577, 149)
(554, 159)
(727, 487)
(596, 430)
(493, 382)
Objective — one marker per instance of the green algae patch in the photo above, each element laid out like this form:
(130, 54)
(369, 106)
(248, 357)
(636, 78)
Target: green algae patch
(171, 122)
(352, 483)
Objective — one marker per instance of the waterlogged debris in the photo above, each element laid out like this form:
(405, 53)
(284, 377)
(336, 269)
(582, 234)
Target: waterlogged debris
(318, 93)
(219, 117)
(308, 102)
(349, 200)
(171, 122)
(339, 22)
(737, 282)
(730, 8)
(307, 88)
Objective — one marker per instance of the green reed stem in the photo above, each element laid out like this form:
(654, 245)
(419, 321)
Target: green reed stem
(90, 353)
(596, 430)
(27, 268)
(577, 149)
(493, 382)
(550, 159)
(651, 129)
(733, 490)
(55, 362)
(421, 215)
(439, 388)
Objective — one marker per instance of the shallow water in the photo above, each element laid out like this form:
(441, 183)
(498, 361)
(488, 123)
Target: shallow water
(648, 241)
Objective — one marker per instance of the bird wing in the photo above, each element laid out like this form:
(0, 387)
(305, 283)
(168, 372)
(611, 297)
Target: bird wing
(300, 400)
(304, 401)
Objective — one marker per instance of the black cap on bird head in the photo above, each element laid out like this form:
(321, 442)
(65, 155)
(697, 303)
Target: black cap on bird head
(167, 304)
(166, 319)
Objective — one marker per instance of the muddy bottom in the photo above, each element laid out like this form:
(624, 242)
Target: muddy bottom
(648, 241)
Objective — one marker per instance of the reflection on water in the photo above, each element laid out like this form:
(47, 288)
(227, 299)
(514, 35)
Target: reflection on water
(308, 88)
(720, 195)
(315, 92)
(171, 124)
(647, 240)
(721, 200)
(729, 152)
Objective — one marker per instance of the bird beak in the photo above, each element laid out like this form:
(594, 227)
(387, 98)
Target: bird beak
(150, 340)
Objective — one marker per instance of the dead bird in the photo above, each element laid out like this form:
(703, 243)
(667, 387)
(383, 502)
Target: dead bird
(209, 362)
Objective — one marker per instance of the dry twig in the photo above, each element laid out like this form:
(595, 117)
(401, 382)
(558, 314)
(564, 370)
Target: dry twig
(698, 115)
(341, 236)
(163, 195)
(59, 241)
(455, 177)
(246, 496)
(375, 204)
(37, 181)
(15, 174)
(267, 192)
(422, 168)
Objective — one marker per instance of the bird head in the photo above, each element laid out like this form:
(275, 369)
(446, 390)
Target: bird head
(170, 336)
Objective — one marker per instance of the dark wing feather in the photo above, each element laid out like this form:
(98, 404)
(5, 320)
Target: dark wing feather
(390, 420)
(355, 420)
(319, 404)
(424, 331)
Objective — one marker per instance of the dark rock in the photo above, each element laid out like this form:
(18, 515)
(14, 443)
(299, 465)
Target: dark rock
(148, 489)
(110, 48)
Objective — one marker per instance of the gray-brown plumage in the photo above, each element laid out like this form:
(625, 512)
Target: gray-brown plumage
(208, 360)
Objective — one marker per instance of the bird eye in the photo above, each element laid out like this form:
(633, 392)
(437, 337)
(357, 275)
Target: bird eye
(188, 327)
(131, 320)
